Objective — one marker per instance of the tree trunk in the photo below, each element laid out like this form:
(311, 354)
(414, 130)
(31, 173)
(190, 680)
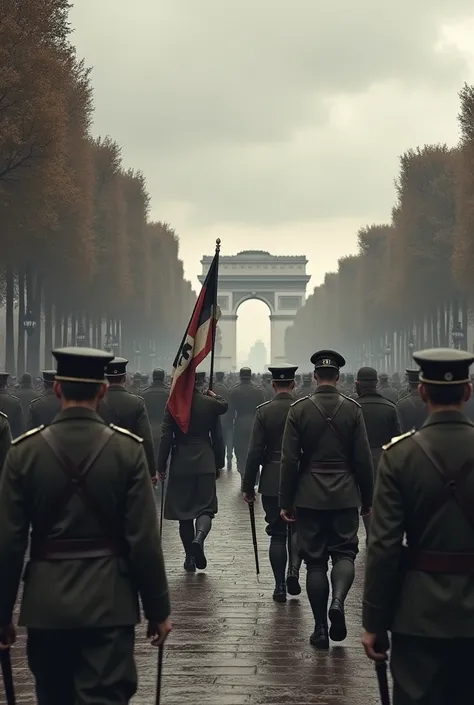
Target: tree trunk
(48, 329)
(9, 328)
(21, 331)
(57, 327)
(33, 304)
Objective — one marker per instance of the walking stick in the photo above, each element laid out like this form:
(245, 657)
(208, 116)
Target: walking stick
(7, 674)
(162, 507)
(290, 545)
(254, 537)
(381, 671)
(160, 674)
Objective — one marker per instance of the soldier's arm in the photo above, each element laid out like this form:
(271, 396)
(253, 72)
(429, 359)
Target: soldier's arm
(32, 421)
(218, 444)
(254, 454)
(166, 442)
(143, 429)
(383, 562)
(5, 443)
(221, 404)
(396, 431)
(143, 540)
(290, 460)
(362, 460)
(14, 525)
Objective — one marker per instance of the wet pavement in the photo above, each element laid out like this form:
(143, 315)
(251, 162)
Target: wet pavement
(231, 644)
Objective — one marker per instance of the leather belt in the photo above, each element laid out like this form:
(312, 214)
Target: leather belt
(439, 562)
(329, 467)
(73, 549)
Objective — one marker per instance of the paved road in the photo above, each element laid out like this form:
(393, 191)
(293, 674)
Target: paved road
(232, 645)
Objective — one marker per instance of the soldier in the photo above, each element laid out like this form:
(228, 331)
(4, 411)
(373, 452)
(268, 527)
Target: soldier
(196, 458)
(25, 393)
(222, 390)
(349, 385)
(47, 406)
(266, 386)
(306, 388)
(156, 397)
(136, 383)
(380, 418)
(326, 473)
(5, 439)
(127, 410)
(145, 381)
(10, 405)
(412, 411)
(405, 390)
(84, 489)
(386, 390)
(244, 399)
(265, 450)
(423, 591)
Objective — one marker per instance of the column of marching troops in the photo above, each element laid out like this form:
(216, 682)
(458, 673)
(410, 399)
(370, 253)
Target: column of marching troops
(324, 449)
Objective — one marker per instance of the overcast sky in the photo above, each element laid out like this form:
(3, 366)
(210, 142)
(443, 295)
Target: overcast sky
(273, 124)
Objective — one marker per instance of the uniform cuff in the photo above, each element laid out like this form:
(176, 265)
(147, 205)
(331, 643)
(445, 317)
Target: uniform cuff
(161, 609)
(374, 619)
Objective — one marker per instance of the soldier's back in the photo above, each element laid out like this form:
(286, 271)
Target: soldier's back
(246, 398)
(43, 410)
(381, 422)
(26, 395)
(412, 412)
(389, 393)
(11, 406)
(121, 407)
(156, 398)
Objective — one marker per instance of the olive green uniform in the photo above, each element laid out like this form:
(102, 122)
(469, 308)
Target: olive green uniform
(5, 439)
(244, 399)
(26, 395)
(387, 391)
(95, 549)
(223, 391)
(156, 397)
(381, 422)
(412, 411)
(419, 592)
(128, 410)
(11, 406)
(43, 410)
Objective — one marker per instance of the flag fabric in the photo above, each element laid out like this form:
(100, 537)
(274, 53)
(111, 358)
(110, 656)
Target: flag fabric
(196, 345)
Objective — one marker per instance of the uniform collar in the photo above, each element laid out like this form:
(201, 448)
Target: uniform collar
(326, 389)
(77, 412)
(447, 417)
(371, 393)
(283, 395)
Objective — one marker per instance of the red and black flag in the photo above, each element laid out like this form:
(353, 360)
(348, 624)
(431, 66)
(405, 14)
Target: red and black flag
(198, 342)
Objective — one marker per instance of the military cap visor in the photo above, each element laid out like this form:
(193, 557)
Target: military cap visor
(413, 376)
(158, 374)
(328, 359)
(48, 375)
(444, 366)
(85, 365)
(367, 374)
(116, 367)
(283, 373)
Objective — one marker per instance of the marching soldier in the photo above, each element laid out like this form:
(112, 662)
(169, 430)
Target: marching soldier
(222, 390)
(127, 410)
(196, 458)
(136, 383)
(244, 399)
(5, 439)
(85, 490)
(326, 474)
(10, 405)
(412, 411)
(266, 386)
(380, 418)
(306, 388)
(386, 390)
(156, 397)
(265, 450)
(423, 592)
(25, 393)
(46, 407)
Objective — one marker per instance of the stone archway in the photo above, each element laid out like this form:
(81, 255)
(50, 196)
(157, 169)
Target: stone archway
(279, 281)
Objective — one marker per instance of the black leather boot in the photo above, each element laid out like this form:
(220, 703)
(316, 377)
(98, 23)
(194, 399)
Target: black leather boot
(197, 550)
(319, 638)
(279, 593)
(338, 630)
(189, 564)
(293, 581)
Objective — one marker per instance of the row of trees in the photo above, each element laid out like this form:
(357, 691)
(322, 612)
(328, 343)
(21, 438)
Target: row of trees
(411, 284)
(80, 262)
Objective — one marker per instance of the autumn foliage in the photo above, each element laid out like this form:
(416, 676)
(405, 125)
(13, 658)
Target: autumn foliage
(78, 252)
(412, 283)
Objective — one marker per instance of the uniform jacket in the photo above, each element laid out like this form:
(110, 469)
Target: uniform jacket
(265, 445)
(410, 601)
(412, 412)
(156, 397)
(128, 410)
(43, 410)
(201, 450)
(5, 439)
(26, 395)
(309, 443)
(381, 422)
(389, 393)
(244, 399)
(223, 391)
(79, 593)
(11, 406)
(304, 391)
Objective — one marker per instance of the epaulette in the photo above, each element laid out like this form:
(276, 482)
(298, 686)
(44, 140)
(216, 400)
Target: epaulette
(35, 399)
(126, 432)
(264, 403)
(2, 414)
(298, 400)
(28, 434)
(350, 399)
(396, 439)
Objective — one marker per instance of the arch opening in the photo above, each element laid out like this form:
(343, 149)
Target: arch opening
(253, 334)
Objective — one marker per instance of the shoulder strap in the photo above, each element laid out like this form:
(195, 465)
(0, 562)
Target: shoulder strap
(329, 419)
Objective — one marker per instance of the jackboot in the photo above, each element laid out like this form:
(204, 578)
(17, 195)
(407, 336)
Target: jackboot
(197, 551)
(293, 578)
(279, 593)
(319, 638)
(189, 564)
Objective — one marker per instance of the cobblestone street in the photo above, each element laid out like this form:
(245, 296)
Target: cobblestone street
(231, 644)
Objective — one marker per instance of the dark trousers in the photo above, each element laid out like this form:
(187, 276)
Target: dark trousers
(83, 666)
(432, 671)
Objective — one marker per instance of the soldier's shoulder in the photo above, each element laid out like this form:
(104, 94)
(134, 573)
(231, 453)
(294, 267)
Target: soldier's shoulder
(298, 401)
(398, 439)
(28, 434)
(36, 399)
(126, 432)
(350, 399)
(15, 398)
(3, 415)
(260, 406)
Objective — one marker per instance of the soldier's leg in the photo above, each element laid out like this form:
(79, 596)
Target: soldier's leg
(105, 671)
(293, 578)
(276, 529)
(203, 527)
(343, 548)
(186, 534)
(229, 437)
(51, 658)
(366, 520)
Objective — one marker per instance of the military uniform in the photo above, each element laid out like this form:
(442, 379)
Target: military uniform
(222, 390)
(412, 411)
(244, 399)
(386, 390)
(136, 384)
(5, 439)
(47, 406)
(26, 394)
(85, 490)
(127, 410)
(423, 592)
(156, 398)
(306, 388)
(11, 406)
(326, 475)
(196, 456)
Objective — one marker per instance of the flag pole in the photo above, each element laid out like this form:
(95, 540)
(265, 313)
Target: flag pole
(214, 316)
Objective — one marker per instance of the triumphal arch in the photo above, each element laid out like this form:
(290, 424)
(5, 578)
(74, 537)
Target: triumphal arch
(279, 281)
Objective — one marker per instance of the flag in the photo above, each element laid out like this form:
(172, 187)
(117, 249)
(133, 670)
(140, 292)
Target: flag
(197, 343)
